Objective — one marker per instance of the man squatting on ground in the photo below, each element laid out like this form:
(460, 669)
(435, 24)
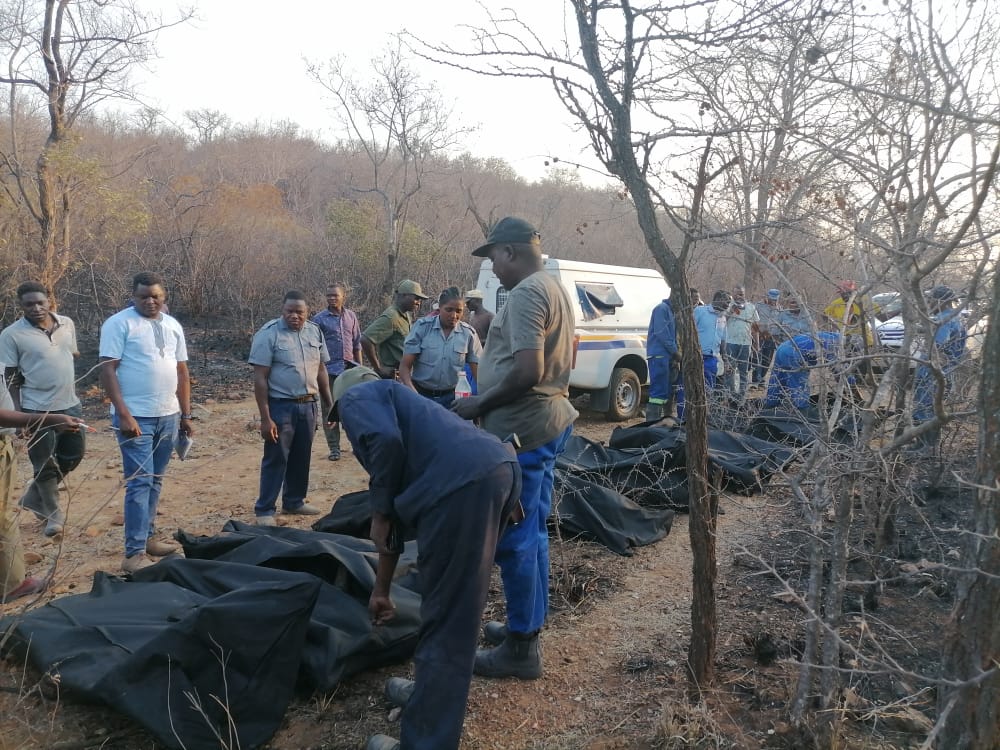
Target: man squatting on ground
(144, 372)
(289, 358)
(789, 384)
(37, 353)
(524, 389)
(457, 492)
(13, 582)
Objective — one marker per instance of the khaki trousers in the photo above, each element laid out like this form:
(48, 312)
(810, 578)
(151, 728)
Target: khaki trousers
(11, 552)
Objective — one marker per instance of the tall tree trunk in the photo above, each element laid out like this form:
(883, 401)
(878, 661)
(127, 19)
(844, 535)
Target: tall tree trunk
(969, 702)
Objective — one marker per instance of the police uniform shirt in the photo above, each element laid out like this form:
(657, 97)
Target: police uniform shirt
(439, 359)
(293, 356)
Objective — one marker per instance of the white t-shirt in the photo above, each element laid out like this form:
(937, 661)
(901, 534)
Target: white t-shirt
(739, 324)
(148, 350)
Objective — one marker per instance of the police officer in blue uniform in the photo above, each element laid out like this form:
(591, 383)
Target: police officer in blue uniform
(437, 349)
(288, 355)
(456, 486)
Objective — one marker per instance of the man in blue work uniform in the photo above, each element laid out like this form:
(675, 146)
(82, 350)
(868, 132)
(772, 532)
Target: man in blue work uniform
(288, 355)
(710, 322)
(342, 333)
(524, 389)
(946, 352)
(790, 377)
(663, 360)
(456, 486)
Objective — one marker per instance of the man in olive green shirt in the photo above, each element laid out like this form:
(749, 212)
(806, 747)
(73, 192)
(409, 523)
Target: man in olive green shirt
(524, 389)
(382, 340)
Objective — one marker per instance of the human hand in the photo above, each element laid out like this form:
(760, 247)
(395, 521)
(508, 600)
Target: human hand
(381, 608)
(186, 427)
(269, 430)
(66, 423)
(128, 427)
(468, 408)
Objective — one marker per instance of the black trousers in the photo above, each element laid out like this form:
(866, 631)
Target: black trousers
(456, 539)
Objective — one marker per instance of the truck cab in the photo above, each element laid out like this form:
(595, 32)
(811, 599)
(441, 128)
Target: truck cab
(611, 306)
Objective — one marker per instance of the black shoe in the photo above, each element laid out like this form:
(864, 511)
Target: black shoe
(518, 656)
(398, 691)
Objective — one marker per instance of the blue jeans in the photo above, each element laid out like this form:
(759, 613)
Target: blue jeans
(144, 462)
(523, 550)
(285, 466)
(710, 366)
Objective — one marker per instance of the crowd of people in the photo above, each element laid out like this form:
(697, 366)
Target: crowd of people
(480, 497)
(777, 343)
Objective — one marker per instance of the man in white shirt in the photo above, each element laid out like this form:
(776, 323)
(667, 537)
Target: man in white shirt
(144, 372)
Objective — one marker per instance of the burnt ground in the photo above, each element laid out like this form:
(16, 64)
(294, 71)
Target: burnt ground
(615, 644)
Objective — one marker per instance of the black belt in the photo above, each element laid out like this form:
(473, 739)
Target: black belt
(298, 400)
(432, 394)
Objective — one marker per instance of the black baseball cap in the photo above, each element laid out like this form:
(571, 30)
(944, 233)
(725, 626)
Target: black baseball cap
(509, 231)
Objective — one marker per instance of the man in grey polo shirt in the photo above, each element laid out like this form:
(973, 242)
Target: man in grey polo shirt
(289, 358)
(37, 353)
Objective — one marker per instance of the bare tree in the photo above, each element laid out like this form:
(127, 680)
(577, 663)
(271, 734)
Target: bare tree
(68, 56)
(616, 79)
(209, 124)
(403, 128)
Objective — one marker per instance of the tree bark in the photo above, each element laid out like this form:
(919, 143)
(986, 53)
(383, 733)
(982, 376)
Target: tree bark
(969, 702)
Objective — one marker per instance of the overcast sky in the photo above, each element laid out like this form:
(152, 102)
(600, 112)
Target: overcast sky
(246, 58)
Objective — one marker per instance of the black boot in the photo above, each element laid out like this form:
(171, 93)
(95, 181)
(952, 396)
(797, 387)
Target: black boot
(520, 656)
(654, 412)
(398, 691)
(494, 633)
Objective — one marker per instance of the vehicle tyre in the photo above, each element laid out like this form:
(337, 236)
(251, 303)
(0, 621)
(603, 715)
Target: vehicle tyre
(625, 395)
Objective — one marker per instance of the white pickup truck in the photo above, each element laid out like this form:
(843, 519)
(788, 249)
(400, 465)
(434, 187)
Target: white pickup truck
(612, 305)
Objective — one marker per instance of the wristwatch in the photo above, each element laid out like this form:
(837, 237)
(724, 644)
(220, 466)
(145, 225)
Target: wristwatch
(187, 417)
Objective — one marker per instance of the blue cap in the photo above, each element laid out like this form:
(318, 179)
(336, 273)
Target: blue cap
(774, 294)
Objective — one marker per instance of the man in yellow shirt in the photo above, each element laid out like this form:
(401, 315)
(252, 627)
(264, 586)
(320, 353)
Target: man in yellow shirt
(848, 314)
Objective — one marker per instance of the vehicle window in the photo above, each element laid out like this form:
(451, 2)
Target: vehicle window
(597, 300)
